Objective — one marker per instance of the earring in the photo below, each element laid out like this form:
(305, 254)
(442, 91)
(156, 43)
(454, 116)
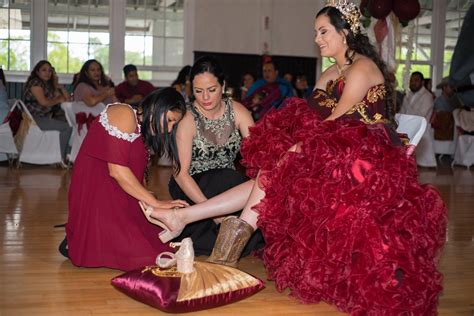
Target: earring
(344, 40)
(332, 60)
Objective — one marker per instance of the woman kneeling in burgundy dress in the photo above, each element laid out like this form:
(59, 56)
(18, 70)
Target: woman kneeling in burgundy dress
(106, 227)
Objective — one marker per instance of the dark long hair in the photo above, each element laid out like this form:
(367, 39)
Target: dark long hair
(155, 106)
(34, 72)
(2, 77)
(360, 43)
(183, 76)
(207, 64)
(83, 77)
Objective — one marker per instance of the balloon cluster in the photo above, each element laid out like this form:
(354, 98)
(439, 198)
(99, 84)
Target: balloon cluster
(405, 10)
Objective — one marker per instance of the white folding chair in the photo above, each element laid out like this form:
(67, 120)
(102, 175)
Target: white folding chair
(76, 112)
(7, 143)
(446, 147)
(412, 125)
(38, 147)
(8, 150)
(420, 137)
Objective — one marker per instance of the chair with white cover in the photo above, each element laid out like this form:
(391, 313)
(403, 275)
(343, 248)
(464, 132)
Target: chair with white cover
(446, 147)
(8, 149)
(464, 153)
(79, 117)
(7, 143)
(413, 126)
(37, 146)
(424, 150)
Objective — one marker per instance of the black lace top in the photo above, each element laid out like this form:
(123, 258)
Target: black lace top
(216, 143)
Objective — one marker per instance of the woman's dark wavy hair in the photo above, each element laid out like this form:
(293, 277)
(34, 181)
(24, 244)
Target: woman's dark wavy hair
(207, 64)
(83, 77)
(183, 75)
(360, 43)
(37, 67)
(155, 106)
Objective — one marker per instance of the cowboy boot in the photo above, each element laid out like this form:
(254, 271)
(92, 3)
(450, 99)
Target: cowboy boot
(233, 236)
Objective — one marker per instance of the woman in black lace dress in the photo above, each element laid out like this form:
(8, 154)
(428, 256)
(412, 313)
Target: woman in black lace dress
(208, 141)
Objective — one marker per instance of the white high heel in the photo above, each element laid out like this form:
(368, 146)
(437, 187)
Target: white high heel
(166, 235)
(183, 258)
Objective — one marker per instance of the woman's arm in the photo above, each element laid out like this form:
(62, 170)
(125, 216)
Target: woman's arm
(38, 93)
(184, 139)
(362, 75)
(87, 96)
(122, 117)
(130, 184)
(243, 119)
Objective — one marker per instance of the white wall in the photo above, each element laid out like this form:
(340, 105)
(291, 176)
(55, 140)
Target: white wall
(238, 26)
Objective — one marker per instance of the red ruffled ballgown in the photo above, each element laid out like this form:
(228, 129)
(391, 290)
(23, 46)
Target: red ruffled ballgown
(345, 220)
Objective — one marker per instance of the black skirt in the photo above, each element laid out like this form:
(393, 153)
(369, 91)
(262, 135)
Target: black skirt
(204, 232)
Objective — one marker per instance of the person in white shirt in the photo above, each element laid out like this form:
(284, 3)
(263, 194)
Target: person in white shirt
(419, 101)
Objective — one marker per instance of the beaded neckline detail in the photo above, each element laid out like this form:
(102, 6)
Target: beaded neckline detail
(114, 131)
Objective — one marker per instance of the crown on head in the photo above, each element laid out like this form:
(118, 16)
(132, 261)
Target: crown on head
(350, 12)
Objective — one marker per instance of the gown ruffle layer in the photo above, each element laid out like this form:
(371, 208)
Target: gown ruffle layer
(345, 220)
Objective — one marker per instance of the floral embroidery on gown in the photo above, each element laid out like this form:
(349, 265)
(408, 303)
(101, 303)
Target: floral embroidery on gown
(345, 220)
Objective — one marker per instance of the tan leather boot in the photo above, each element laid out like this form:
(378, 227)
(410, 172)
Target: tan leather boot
(233, 236)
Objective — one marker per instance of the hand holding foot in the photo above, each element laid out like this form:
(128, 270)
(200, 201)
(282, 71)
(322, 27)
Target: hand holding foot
(166, 219)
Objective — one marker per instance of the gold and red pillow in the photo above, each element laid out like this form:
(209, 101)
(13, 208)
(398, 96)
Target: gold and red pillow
(210, 285)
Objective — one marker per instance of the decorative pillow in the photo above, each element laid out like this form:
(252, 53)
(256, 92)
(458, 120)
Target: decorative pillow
(209, 285)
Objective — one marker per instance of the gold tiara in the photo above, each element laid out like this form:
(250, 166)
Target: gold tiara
(350, 12)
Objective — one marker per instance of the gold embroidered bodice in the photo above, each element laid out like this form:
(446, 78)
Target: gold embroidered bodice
(370, 110)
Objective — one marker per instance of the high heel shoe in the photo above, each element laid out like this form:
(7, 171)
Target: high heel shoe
(166, 235)
(183, 258)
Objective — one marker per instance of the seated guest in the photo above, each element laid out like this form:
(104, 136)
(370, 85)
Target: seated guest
(132, 90)
(428, 83)
(274, 88)
(4, 108)
(448, 100)
(182, 83)
(442, 119)
(418, 101)
(247, 81)
(41, 96)
(288, 76)
(92, 86)
(303, 89)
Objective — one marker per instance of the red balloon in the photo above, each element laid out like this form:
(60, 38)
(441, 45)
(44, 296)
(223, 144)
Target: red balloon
(406, 10)
(380, 30)
(379, 9)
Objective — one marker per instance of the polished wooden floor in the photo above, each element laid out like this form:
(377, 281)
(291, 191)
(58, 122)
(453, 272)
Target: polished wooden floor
(36, 280)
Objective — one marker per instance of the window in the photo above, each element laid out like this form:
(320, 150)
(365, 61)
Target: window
(421, 54)
(15, 34)
(154, 35)
(78, 30)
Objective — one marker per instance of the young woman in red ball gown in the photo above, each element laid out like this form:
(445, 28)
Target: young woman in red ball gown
(334, 192)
